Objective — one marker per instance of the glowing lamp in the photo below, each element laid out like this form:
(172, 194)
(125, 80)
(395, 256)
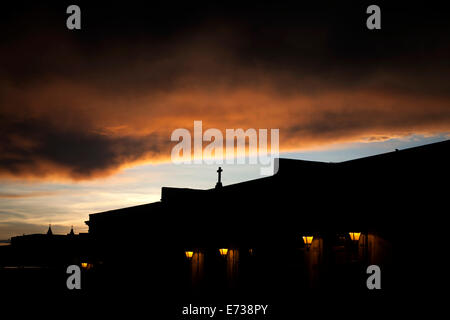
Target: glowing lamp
(307, 240)
(355, 235)
(189, 254)
(223, 251)
(86, 265)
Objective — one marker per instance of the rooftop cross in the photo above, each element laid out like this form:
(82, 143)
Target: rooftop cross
(219, 182)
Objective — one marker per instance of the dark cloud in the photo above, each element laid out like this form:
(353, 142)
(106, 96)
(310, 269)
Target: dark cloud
(85, 103)
(144, 46)
(33, 147)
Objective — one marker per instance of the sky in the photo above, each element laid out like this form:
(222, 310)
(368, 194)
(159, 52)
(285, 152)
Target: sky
(86, 115)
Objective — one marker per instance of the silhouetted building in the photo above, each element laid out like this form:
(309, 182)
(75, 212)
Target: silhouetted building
(310, 225)
(262, 222)
(48, 250)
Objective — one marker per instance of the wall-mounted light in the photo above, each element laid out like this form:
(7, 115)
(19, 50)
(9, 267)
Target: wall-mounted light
(189, 254)
(223, 251)
(86, 265)
(307, 240)
(355, 236)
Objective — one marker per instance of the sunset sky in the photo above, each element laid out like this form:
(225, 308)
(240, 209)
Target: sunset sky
(86, 115)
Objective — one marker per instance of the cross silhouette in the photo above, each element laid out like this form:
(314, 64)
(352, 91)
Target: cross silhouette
(219, 171)
(219, 182)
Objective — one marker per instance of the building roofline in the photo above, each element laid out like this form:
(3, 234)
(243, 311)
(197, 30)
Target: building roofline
(278, 162)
